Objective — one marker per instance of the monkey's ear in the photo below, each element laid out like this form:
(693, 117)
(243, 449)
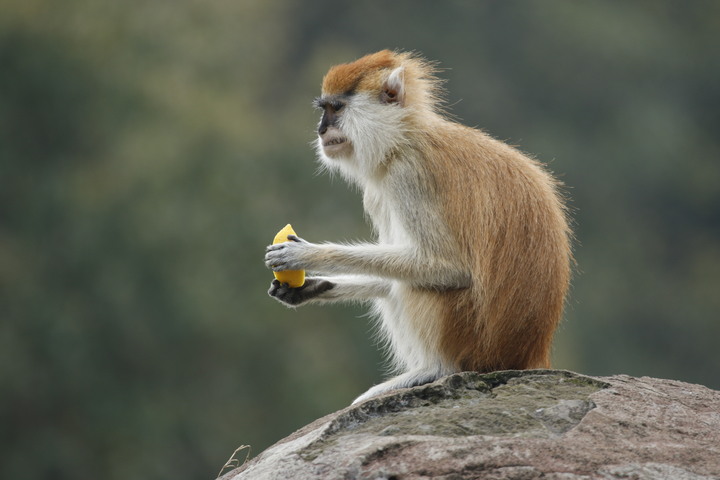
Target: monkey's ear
(393, 90)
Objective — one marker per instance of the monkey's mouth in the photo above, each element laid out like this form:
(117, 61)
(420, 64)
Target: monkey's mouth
(335, 144)
(334, 141)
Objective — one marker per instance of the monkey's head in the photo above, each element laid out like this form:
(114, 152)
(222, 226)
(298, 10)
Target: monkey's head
(370, 107)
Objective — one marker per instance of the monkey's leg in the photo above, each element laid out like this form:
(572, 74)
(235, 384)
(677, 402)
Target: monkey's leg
(346, 288)
(409, 379)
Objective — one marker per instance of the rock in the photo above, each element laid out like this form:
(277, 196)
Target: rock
(524, 425)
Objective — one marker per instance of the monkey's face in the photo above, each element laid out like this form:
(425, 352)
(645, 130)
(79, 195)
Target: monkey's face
(331, 139)
(358, 130)
(364, 115)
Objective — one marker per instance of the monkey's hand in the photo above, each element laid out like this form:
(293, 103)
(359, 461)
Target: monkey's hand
(291, 255)
(292, 297)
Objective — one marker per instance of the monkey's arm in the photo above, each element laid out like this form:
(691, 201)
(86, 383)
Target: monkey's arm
(387, 261)
(330, 289)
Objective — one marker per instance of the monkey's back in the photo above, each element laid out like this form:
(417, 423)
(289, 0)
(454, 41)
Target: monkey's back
(509, 221)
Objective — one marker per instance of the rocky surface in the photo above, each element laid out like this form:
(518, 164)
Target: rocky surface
(524, 425)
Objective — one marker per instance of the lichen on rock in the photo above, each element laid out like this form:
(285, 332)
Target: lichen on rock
(509, 424)
(544, 404)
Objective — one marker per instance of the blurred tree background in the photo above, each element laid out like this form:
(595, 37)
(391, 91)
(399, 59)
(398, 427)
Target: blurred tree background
(149, 150)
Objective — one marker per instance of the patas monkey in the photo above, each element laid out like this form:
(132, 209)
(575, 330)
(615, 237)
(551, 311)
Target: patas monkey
(472, 260)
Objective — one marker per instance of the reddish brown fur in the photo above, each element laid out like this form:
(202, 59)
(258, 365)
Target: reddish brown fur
(507, 215)
(347, 77)
(505, 212)
(504, 209)
(367, 74)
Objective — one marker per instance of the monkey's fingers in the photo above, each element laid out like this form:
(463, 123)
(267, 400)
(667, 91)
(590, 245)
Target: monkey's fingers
(275, 261)
(284, 293)
(296, 296)
(276, 267)
(274, 287)
(280, 290)
(285, 256)
(295, 238)
(272, 248)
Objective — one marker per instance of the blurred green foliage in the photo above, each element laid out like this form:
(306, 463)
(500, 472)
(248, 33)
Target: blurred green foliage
(150, 150)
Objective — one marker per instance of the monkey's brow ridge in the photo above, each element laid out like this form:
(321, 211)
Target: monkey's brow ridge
(334, 100)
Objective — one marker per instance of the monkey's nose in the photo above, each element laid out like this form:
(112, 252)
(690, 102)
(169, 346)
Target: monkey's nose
(322, 128)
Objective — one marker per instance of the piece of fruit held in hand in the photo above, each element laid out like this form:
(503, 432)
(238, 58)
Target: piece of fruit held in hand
(294, 278)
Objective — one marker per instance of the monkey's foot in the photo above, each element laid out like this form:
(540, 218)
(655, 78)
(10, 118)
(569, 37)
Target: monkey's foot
(409, 379)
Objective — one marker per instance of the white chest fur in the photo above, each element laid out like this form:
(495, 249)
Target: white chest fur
(407, 315)
(385, 219)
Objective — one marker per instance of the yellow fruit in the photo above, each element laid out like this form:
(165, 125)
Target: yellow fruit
(294, 278)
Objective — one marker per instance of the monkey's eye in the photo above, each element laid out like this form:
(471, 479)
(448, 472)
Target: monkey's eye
(337, 106)
(389, 96)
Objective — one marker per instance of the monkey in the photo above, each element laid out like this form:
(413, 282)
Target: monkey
(472, 259)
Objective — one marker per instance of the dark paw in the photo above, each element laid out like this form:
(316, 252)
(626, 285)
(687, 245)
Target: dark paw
(284, 293)
(296, 296)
